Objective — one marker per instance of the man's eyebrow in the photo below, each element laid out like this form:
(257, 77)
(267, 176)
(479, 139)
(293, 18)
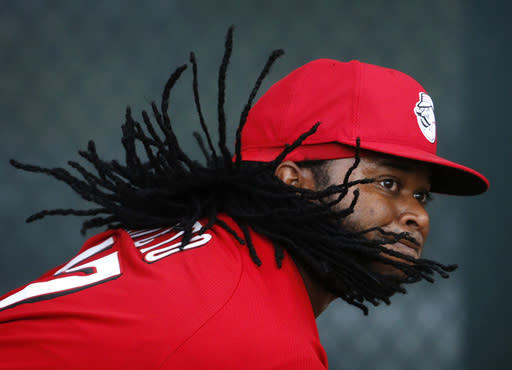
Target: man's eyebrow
(401, 165)
(398, 164)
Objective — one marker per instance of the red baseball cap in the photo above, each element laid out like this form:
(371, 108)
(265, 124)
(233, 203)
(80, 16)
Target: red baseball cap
(386, 109)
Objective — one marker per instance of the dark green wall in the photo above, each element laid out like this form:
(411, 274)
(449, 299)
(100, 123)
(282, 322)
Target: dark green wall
(487, 254)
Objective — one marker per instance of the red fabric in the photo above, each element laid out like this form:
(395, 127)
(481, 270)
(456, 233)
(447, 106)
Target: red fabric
(380, 106)
(208, 307)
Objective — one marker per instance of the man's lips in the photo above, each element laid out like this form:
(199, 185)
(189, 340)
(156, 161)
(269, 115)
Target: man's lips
(406, 247)
(408, 244)
(409, 247)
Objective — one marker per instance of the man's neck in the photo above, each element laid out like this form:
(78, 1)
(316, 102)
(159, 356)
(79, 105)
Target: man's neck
(319, 296)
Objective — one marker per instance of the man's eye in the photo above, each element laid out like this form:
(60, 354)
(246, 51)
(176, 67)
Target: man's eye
(423, 197)
(389, 184)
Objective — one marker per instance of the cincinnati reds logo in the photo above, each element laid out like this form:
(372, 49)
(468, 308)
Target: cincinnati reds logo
(424, 110)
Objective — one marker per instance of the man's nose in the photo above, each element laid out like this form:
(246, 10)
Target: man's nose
(413, 215)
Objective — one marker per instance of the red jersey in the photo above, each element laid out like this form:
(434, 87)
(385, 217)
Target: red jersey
(136, 300)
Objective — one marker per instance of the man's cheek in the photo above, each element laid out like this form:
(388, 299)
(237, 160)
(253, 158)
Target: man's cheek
(360, 220)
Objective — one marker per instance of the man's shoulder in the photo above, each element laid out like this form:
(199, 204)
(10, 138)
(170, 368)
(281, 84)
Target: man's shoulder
(124, 289)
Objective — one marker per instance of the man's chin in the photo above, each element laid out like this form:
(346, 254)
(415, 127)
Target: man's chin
(389, 270)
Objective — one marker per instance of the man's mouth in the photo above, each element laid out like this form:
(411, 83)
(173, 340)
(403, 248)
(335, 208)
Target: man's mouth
(409, 247)
(405, 247)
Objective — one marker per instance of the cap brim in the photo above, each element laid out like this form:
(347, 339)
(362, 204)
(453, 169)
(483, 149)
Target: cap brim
(447, 177)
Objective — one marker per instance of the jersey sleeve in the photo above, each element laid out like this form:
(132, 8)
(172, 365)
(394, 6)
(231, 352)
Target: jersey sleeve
(124, 301)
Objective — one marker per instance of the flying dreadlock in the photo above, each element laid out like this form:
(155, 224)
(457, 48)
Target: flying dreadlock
(169, 188)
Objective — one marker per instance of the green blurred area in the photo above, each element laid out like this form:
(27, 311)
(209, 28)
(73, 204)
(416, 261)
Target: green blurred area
(68, 70)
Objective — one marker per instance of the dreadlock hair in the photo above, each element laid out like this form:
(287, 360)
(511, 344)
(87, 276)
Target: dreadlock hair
(168, 188)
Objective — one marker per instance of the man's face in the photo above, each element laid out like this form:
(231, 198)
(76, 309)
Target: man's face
(394, 202)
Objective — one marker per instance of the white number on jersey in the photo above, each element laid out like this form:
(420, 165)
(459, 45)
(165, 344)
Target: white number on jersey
(94, 272)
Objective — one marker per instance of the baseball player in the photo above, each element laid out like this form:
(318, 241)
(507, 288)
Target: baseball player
(226, 264)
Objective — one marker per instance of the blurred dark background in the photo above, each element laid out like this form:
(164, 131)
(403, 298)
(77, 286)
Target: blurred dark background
(68, 70)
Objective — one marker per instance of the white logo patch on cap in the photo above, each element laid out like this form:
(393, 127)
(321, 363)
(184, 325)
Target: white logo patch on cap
(424, 110)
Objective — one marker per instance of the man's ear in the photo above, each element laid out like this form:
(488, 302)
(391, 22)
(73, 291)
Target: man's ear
(291, 174)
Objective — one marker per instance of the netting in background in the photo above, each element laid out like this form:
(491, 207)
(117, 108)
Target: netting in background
(68, 70)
